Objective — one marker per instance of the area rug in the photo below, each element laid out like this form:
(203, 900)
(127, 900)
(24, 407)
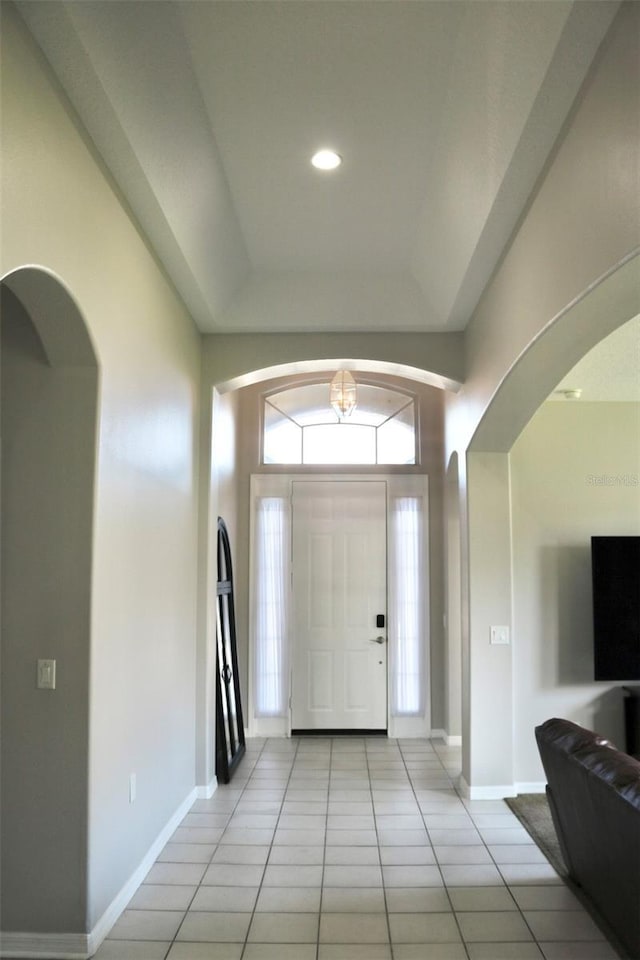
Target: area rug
(532, 810)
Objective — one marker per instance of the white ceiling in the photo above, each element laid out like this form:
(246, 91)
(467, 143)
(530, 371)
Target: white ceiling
(206, 114)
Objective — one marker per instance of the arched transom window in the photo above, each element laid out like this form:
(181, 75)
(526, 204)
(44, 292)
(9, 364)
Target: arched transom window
(301, 427)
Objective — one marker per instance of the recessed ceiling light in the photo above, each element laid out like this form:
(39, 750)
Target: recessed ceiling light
(572, 394)
(326, 160)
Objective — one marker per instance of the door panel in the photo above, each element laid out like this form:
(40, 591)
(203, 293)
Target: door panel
(356, 691)
(320, 680)
(339, 587)
(319, 586)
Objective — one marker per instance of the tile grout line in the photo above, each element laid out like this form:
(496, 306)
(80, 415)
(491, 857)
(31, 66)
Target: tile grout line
(324, 848)
(266, 863)
(504, 880)
(375, 826)
(235, 807)
(435, 858)
(422, 768)
(210, 861)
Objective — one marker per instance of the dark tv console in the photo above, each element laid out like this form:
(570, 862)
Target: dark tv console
(632, 720)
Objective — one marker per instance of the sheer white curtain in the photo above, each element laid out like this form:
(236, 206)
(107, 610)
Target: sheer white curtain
(271, 607)
(407, 606)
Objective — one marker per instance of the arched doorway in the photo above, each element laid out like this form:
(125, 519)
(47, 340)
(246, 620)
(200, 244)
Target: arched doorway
(49, 409)
(496, 725)
(235, 407)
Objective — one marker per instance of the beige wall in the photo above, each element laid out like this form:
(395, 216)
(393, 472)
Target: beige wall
(60, 210)
(575, 473)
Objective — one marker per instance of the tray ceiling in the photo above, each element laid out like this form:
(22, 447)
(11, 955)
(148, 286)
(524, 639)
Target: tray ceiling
(206, 115)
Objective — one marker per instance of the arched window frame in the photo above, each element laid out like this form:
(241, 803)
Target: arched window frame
(405, 403)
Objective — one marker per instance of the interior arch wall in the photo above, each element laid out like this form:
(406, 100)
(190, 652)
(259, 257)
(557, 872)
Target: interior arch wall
(48, 428)
(60, 325)
(568, 279)
(609, 304)
(238, 360)
(580, 234)
(498, 735)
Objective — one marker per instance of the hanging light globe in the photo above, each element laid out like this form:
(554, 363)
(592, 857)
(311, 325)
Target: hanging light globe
(342, 393)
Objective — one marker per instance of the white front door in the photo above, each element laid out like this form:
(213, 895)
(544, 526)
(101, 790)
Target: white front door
(339, 590)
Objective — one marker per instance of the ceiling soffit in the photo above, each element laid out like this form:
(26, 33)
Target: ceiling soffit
(206, 113)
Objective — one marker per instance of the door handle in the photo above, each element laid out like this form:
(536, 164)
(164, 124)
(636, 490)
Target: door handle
(377, 640)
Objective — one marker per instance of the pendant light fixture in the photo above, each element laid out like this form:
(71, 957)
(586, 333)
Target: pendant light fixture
(342, 393)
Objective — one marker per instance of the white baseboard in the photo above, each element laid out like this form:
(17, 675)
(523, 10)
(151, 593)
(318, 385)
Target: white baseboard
(535, 786)
(81, 946)
(117, 905)
(207, 791)
(270, 727)
(45, 946)
(497, 791)
(408, 728)
(500, 791)
(450, 740)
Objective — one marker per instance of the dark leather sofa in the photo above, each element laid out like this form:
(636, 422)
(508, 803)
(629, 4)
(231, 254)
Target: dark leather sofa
(594, 794)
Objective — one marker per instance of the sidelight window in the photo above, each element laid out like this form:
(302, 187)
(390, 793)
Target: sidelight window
(407, 606)
(270, 607)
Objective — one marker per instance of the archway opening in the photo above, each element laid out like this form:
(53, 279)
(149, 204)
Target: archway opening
(49, 409)
(531, 512)
(237, 424)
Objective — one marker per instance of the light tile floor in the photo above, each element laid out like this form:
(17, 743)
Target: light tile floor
(352, 848)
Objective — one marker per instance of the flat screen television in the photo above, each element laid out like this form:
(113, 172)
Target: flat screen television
(615, 574)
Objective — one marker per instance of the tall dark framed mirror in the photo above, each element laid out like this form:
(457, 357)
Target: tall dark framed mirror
(230, 743)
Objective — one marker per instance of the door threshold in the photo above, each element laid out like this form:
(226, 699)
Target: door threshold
(330, 732)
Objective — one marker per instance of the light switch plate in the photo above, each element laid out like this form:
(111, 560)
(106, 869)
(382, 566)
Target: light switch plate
(46, 674)
(500, 635)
